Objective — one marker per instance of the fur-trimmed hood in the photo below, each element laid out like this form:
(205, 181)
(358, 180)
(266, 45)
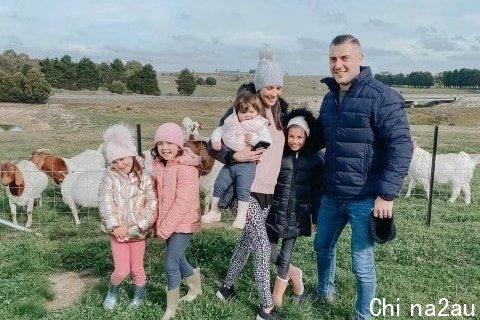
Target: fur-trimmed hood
(310, 119)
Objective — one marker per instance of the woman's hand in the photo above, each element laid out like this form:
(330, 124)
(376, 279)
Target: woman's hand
(246, 155)
(120, 233)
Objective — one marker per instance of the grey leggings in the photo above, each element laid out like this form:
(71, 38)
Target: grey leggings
(176, 264)
(254, 238)
(281, 260)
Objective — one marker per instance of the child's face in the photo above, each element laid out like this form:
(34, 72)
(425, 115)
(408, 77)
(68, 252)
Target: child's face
(248, 114)
(123, 165)
(167, 150)
(296, 138)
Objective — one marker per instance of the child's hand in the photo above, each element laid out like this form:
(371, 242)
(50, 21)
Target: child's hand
(314, 228)
(248, 137)
(120, 233)
(217, 145)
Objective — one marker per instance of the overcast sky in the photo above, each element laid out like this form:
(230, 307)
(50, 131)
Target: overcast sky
(204, 35)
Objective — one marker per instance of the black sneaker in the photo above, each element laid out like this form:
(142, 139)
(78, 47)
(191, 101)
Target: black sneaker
(226, 293)
(273, 315)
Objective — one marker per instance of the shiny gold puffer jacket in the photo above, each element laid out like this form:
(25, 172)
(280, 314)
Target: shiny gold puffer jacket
(122, 202)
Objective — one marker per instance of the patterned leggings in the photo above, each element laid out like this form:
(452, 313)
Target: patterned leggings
(254, 237)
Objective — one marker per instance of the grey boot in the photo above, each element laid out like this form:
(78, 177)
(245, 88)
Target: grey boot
(111, 299)
(138, 297)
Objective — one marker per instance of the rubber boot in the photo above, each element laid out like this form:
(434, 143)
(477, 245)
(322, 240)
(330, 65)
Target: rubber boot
(112, 296)
(138, 297)
(214, 214)
(278, 291)
(172, 303)
(295, 274)
(194, 284)
(241, 218)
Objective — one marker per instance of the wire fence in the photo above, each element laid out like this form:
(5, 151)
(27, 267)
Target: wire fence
(54, 211)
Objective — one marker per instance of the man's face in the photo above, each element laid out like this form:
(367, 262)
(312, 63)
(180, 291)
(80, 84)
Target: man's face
(345, 62)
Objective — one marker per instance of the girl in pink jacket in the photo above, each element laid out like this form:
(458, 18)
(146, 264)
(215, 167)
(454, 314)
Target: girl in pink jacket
(177, 185)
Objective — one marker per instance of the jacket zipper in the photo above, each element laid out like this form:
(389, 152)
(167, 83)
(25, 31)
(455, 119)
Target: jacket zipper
(292, 185)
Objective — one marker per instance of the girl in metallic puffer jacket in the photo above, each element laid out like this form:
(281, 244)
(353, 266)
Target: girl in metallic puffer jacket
(128, 208)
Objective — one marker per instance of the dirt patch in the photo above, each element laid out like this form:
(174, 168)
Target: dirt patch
(68, 287)
(41, 117)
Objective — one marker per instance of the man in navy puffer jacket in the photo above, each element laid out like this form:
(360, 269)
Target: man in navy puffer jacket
(366, 133)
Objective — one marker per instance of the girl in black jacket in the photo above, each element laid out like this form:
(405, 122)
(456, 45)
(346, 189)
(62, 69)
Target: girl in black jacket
(295, 201)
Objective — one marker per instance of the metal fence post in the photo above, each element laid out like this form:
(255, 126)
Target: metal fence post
(139, 139)
(432, 176)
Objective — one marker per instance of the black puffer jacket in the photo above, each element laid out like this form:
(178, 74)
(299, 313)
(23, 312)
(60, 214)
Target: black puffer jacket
(299, 188)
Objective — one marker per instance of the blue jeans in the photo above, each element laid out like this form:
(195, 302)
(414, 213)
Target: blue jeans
(331, 220)
(176, 264)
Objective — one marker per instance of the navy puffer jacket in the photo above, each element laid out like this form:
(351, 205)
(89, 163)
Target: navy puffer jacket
(299, 188)
(367, 139)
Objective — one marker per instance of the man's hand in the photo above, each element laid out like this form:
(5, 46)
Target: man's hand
(216, 146)
(246, 155)
(383, 208)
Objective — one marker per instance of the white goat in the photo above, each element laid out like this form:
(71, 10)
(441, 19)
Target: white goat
(81, 189)
(190, 128)
(24, 183)
(454, 168)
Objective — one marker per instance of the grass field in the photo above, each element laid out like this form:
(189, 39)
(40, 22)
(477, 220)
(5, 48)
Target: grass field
(423, 265)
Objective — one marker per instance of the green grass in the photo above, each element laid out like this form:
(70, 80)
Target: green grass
(422, 265)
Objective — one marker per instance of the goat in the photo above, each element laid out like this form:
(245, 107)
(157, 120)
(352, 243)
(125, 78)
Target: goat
(24, 184)
(190, 128)
(454, 168)
(57, 168)
(210, 170)
(81, 189)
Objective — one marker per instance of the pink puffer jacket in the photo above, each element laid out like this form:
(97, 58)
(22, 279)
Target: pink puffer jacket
(178, 198)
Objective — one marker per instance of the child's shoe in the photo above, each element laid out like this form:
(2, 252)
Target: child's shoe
(211, 216)
(241, 218)
(111, 299)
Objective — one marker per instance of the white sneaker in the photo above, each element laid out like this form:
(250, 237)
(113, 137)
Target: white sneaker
(211, 216)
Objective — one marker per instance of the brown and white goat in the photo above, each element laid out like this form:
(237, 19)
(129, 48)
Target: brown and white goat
(190, 128)
(57, 168)
(24, 183)
(210, 170)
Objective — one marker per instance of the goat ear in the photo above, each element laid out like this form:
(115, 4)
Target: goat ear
(18, 177)
(38, 160)
(200, 125)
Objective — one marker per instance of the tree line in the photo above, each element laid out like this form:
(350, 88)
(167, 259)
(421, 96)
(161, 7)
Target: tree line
(463, 78)
(27, 80)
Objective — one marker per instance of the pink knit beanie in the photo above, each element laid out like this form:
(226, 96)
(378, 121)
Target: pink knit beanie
(169, 132)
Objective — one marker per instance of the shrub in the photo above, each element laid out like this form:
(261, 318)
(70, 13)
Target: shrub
(30, 88)
(186, 82)
(117, 87)
(200, 81)
(210, 81)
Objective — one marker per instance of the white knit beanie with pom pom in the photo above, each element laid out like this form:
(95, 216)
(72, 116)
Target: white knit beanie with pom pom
(268, 71)
(118, 143)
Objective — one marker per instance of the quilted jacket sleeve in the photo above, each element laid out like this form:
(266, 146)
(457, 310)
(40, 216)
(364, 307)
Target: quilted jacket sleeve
(393, 129)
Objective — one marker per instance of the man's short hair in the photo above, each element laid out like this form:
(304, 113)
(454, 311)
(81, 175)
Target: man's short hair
(343, 38)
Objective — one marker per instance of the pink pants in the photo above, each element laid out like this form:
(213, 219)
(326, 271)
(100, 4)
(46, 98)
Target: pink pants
(128, 258)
